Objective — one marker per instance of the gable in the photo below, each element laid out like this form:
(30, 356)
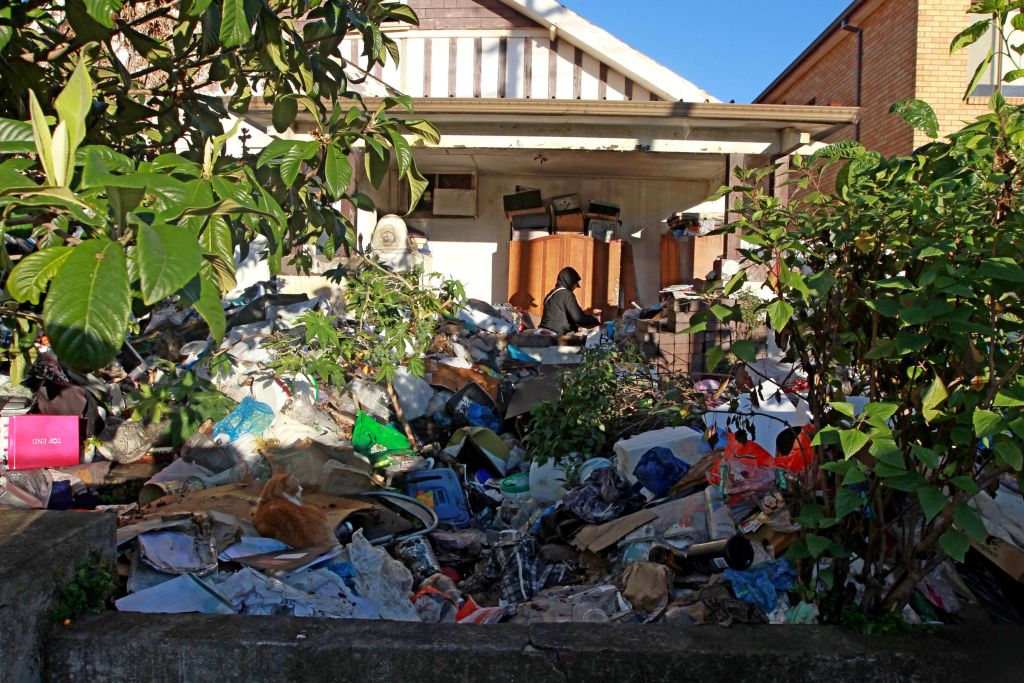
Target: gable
(469, 14)
(510, 63)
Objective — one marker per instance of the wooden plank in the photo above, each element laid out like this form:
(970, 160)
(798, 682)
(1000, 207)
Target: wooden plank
(478, 65)
(553, 68)
(706, 250)
(515, 76)
(577, 74)
(670, 261)
(628, 279)
(463, 67)
(540, 69)
(564, 70)
(590, 78)
(492, 68)
(613, 300)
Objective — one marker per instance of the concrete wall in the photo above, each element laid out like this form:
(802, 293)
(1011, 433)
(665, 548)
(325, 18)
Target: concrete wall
(36, 548)
(476, 250)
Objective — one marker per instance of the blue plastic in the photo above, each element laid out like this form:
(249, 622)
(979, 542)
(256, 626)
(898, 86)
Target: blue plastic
(441, 490)
(481, 416)
(658, 470)
(250, 417)
(761, 583)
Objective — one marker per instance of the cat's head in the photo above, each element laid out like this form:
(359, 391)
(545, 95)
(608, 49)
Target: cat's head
(283, 485)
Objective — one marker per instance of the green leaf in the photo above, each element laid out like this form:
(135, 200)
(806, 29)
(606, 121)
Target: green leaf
(168, 258)
(933, 397)
(15, 131)
(378, 162)
(955, 544)
(417, 186)
(32, 275)
(152, 50)
(919, 115)
(847, 501)
(1001, 268)
(427, 131)
(234, 25)
(979, 73)
(216, 238)
(284, 112)
(735, 282)
(887, 452)
(988, 423)
(403, 152)
(854, 475)
(1010, 396)
(87, 308)
(969, 35)
(853, 441)
(745, 350)
(965, 483)
(204, 294)
(337, 171)
(926, 455)
(1007, 452)
(292, 160)
(41, 135)
(779, 313)
(817, 544)
(843, 407)
(103, 10)
(713, 358)
(969, 521)
(933, 501)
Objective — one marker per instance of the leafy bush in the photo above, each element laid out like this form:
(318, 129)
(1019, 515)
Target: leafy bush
(901, 289)
(609, 396)
(123, 220)
(394, 319)
(87, 590)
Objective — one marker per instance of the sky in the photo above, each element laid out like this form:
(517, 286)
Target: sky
(731, 48)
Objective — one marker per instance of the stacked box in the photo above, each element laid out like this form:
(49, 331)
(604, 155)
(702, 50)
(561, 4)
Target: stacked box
(671, 352)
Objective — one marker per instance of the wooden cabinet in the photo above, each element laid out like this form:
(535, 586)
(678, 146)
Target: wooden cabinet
(533, 269)
(688, 259)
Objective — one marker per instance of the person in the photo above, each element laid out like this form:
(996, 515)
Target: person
(562, 313)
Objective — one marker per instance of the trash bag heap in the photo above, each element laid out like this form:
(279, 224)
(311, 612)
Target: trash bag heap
(384, 460)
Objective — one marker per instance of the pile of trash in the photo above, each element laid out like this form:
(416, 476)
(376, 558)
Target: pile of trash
(414, 499)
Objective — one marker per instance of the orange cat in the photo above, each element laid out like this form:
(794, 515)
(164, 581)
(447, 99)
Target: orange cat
(280, 514)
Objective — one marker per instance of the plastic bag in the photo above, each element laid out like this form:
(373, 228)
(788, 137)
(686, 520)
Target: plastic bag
(761, 583)
(658, 470)
(250, 417)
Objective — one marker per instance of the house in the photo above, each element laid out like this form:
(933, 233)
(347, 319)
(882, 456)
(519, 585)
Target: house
(878, 52)
(529, 95)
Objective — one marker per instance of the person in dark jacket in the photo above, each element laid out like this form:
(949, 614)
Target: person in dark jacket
(562, 313)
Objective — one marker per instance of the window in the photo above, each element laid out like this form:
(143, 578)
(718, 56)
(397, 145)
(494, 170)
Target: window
(447, 194)
(1000, 65)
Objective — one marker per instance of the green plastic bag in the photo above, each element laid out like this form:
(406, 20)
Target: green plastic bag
(368, 433)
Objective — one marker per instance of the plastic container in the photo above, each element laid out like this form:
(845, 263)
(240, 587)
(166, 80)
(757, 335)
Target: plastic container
(593, 465)
(516, 487)
(417, 554)
(684, 443)
(250, 417)
(440, 489)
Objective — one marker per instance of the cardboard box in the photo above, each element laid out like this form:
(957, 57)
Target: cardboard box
(571, 221)
(568, 202)
(530, 219)
(34, 441)
(527, 199)
(1006, 556)
(605, 208)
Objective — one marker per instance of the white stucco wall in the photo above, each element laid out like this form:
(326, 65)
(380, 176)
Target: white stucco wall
(476, 250)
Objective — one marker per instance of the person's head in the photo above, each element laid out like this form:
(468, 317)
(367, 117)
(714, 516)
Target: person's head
(569, 278)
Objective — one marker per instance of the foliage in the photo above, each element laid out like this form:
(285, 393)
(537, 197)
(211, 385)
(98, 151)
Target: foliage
(99, 98)
(1009, 48)
(901, 289)
(87, 590)
(183, 399)
(393, 320)
(609, 396)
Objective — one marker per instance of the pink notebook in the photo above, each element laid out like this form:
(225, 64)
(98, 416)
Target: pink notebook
(35, 441)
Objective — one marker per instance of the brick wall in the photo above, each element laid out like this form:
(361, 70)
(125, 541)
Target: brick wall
(943, 77)
(830, 76)
(468, 14)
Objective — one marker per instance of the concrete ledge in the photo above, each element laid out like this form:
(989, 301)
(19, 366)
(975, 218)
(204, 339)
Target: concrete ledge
(33, 545)
(139, 647)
